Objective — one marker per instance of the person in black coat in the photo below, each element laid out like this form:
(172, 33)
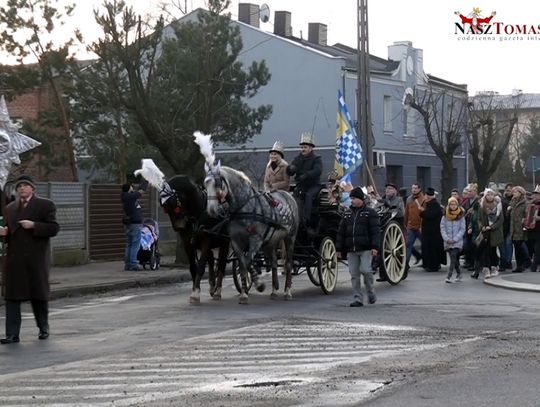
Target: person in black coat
(133, 218)
(306, 169)
(31, 222)
(432, 242)
(358, 239)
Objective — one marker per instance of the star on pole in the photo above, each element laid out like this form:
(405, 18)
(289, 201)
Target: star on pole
(12, 143)
(476, 11)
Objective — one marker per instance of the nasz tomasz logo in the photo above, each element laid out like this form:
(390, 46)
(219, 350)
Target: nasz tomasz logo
(474, 23)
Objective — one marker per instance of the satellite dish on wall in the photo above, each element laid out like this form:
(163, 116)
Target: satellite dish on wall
(264, 13)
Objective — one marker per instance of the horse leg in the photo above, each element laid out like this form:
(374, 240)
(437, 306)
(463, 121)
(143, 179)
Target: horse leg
(255, 244)
(289, 244)
(211, 273)
(243, 266)
(270, 254)
(195, 297)
(193, 270)
(222, 263)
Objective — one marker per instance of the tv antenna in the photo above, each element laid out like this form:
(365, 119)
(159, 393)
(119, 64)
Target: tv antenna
(264, 13)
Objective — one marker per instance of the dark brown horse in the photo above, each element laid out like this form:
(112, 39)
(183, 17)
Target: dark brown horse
(185, 203)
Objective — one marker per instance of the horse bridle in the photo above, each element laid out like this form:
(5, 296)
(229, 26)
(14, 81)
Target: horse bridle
(219, 182)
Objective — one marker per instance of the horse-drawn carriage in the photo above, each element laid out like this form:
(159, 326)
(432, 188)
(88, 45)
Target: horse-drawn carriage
(259, 225)
(315, 253)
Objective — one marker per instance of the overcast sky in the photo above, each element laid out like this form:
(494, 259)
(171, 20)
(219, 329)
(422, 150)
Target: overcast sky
(502, 64)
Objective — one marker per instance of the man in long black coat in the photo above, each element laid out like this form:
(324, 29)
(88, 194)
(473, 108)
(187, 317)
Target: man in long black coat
(433, 253)
(306, 167)
(31, 222)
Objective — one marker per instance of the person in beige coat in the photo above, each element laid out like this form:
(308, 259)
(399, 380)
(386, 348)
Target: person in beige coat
(275, 175)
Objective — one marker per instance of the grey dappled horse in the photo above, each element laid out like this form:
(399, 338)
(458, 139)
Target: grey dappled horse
(257, 221)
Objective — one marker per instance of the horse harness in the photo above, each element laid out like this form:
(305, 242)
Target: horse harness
(271, 223)
(167, 193)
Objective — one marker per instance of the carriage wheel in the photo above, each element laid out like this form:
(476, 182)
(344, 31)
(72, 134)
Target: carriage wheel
(298, 267)
(328, 265)
(154, 259)
(313, 274)
(236, 276)
(393, 253)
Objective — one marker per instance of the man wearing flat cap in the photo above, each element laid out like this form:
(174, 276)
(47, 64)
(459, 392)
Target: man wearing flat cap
(393, 200)
(31, 222)
(358, 239)
(306, 169)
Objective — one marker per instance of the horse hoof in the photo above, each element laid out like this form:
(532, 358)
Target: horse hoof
(287, 297)
(273, 296)
(194, 300)
(216, 297)
(243, 301)
(260, 287)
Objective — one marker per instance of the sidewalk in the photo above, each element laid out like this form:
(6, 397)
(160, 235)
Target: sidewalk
(525, 281)
(108, 276)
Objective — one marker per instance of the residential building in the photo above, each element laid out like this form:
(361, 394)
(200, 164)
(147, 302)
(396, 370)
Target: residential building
(306, 75)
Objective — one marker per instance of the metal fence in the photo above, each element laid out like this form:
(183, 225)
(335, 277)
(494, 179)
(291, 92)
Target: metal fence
(77, 206)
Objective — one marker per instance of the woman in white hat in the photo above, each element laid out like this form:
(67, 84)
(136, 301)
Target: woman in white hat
(275, 175)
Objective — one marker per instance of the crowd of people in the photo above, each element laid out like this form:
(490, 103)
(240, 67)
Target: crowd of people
(486, 229)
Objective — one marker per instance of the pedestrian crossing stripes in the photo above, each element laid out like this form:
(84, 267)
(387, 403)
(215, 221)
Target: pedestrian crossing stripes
(235, 365)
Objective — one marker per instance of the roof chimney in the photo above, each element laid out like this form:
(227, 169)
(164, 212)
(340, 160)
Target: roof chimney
(249, 14)
(282, 23)
(317, 33)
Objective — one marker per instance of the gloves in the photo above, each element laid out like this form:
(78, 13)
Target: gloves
(291, 170)
(143, 185)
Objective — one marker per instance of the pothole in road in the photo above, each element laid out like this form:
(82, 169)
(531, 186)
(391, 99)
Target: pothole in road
(270, 384)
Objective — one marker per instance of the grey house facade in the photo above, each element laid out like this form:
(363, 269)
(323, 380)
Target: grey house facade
(306, 76)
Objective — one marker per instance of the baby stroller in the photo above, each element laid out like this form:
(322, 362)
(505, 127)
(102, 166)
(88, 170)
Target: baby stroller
(148, 253)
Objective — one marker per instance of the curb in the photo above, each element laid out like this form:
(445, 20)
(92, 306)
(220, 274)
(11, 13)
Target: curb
(146, 281)
(512, 285)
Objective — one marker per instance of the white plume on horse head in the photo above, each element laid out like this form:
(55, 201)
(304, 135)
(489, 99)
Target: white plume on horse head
(207, 148)
(150, 172)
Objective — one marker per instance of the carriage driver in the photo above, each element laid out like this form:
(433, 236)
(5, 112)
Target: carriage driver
(307, 169)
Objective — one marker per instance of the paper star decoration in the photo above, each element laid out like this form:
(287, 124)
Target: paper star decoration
(12, 143)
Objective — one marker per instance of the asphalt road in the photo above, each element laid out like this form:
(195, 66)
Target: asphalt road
(424, 343)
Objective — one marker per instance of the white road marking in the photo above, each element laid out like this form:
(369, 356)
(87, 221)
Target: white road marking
(236, 362)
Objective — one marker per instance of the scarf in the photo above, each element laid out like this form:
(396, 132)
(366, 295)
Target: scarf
(453, 214)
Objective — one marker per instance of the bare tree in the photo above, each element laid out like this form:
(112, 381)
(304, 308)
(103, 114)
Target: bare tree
(491, 123)
(28, 27)
(443, 113)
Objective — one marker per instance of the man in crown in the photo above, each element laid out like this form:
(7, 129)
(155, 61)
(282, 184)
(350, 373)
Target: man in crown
(306, 169)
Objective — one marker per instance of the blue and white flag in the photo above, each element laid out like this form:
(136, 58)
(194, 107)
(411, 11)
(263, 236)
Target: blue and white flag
(348, 149)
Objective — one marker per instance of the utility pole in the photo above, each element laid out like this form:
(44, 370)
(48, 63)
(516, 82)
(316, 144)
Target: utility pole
(533, 166)
(363, 92)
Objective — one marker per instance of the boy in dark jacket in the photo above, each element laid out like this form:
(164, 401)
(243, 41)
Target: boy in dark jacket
(358, 238)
